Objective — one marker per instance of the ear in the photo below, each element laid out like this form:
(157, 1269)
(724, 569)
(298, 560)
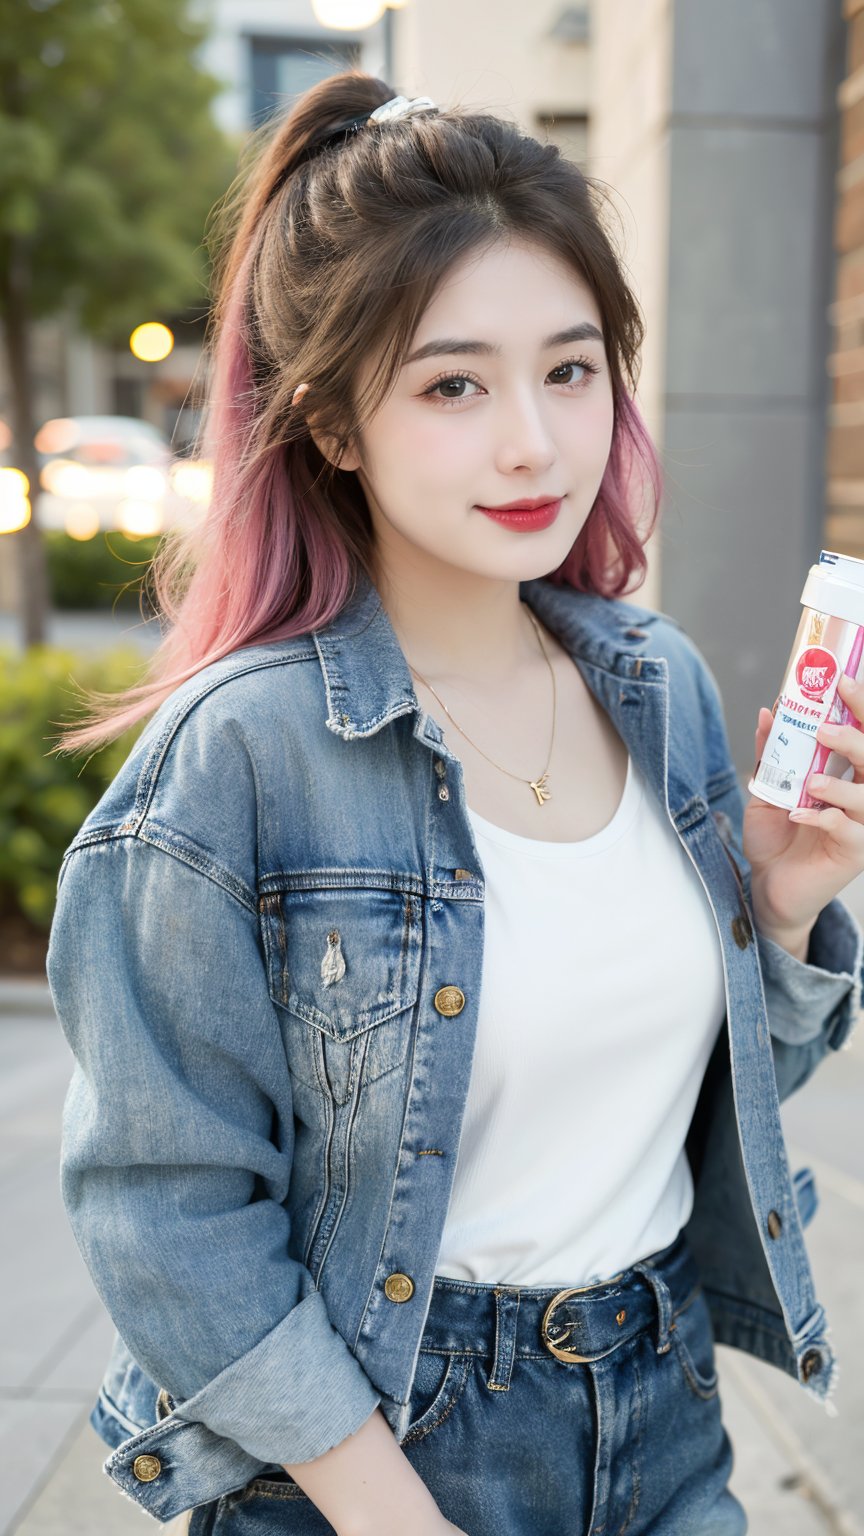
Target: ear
(328, 448)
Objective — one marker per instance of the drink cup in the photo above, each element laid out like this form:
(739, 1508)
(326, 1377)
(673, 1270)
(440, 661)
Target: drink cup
(829, 642)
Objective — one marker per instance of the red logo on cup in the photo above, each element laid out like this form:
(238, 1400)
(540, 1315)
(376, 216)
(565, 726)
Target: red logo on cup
(815, 671)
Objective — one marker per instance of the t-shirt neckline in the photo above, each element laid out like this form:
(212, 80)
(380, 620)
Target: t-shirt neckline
(584, 847)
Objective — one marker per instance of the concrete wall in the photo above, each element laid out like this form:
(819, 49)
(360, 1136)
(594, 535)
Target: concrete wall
(508, 59)
(629, 154)
(752, 154)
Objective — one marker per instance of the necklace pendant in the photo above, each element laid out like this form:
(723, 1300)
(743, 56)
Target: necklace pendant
(540, 790)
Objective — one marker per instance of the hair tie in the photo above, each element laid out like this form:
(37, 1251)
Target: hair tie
(397, 106)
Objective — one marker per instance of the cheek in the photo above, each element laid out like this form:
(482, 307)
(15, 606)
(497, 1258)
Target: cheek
(597, 424)
(430, 442)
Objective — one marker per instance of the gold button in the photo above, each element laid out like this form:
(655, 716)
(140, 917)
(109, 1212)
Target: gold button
(775, 1225)
(146, 1468)
(449, 1000)
(741, 930)
(398, 1287)
(462, 874)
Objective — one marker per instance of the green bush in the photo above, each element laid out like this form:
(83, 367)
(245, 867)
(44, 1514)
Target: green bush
(44, 799)
(102, 572)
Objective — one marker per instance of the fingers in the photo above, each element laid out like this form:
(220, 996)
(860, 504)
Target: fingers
(842, 793)
(851, 691)
(845, 739)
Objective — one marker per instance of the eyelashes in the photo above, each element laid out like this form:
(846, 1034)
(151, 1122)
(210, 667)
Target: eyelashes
(591, 368)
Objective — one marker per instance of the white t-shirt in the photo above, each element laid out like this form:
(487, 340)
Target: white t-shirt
(602, 997)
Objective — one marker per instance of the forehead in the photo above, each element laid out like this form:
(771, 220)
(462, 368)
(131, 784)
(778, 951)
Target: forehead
(511, 286)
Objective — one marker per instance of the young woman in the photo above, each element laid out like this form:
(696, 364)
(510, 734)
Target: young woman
(432, 993)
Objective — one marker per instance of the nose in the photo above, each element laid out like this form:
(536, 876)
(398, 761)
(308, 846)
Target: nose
(525, 438)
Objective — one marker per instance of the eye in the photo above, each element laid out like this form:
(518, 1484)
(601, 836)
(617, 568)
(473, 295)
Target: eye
(588, 367)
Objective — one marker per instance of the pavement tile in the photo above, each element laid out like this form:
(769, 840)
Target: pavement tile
(772, 1498)
(79, 1499)
(32, 1436)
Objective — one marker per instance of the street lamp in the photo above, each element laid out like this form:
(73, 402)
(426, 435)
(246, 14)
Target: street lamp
(352, 15)
(355, 15)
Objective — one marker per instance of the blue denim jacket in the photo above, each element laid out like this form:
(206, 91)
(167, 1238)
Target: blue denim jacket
(243, 1135)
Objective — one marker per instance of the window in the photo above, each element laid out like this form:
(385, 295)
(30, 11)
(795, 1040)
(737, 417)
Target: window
(283, 67)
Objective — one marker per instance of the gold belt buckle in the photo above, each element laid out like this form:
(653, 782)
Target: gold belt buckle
(561, 1351)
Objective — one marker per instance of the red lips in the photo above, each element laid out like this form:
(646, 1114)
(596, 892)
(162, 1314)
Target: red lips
(529, 505)
(522, 518)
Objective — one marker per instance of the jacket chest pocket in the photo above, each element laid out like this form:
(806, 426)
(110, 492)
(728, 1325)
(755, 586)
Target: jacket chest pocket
(345, 965)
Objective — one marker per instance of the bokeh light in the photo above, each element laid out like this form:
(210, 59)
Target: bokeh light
(14, 500)
(65, 478)
(151, 342)
(347, 14)
(193, 479)
(144, 483)
(81, 521)
(140, 518)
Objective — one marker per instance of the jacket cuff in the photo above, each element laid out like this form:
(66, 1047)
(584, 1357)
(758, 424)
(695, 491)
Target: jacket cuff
(264, 1400)
(823, 994)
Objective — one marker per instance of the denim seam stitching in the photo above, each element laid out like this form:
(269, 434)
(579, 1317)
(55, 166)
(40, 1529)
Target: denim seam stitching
(411, 1438)
(637, 1485)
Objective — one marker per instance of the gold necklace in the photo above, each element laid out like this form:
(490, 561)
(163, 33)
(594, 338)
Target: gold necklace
(539, 786)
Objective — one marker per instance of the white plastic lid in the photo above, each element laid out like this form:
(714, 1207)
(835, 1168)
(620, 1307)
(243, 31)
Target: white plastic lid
(836, 586)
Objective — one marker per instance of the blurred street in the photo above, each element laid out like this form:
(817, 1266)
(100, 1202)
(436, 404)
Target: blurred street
(797, 1470)
(86, 631)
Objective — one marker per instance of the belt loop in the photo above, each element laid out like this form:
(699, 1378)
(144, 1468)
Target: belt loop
(506, 1313)
(663, 1297)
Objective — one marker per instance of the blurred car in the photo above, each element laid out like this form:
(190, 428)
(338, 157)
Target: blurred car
(103, 472)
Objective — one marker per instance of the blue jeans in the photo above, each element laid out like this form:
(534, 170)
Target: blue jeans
(591, 1414)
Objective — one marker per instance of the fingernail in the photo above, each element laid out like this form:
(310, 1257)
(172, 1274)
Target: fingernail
(799, 815)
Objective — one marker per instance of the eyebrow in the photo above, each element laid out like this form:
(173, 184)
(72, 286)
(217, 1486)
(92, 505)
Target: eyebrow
(449, 344)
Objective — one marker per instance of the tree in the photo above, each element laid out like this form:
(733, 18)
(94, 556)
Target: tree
(110, 160)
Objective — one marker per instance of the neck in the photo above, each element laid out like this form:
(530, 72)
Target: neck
(463, 628)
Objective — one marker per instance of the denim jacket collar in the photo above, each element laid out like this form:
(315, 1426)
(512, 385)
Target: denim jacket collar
(366, 675)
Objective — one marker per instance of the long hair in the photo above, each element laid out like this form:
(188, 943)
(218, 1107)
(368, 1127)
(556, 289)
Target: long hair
(329, 250)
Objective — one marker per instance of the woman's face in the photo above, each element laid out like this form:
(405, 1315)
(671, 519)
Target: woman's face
(501, 412)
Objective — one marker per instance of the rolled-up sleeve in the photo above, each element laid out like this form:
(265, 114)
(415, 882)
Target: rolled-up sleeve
(822, 995)
(178, 1139)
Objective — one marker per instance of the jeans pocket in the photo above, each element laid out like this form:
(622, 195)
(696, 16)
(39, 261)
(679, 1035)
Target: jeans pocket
(439, 1381)
(693, 1343)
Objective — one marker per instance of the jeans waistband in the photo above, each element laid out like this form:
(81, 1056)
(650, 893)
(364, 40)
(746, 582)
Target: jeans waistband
(575, 1325)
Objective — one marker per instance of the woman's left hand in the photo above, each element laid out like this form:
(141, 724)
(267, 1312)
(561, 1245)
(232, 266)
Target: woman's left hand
(799, 865)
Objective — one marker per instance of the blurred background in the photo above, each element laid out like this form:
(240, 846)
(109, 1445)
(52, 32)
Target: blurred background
(732, 138)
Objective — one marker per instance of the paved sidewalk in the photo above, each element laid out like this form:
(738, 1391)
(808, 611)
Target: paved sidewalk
(797, 1470)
